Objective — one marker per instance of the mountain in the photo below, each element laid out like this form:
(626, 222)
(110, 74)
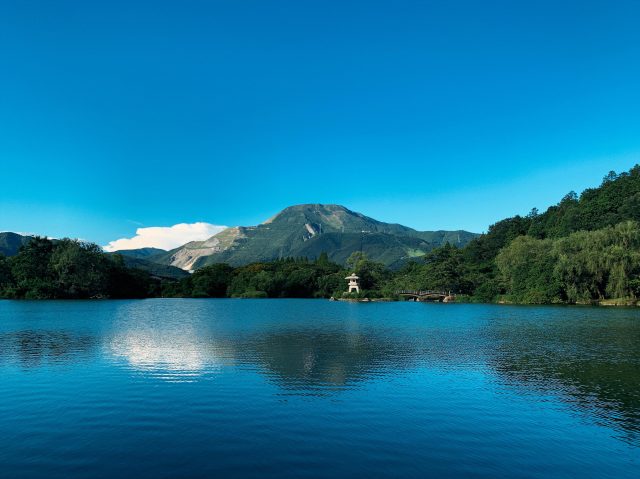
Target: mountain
(10, 243)
(307, 231)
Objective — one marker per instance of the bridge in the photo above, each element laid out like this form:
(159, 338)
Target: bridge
(427, 295)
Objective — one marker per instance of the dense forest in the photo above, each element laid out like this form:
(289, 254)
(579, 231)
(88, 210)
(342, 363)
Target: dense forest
(584, 249)
(286, 278)
(70, 269)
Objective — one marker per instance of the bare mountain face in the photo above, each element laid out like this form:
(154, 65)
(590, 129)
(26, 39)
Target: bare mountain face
(188, 255)
(307, 231)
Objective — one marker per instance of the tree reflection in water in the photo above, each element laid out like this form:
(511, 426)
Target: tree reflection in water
(31, 348)
(592, 366)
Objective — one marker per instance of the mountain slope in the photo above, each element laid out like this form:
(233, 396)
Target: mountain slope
(308, 230)
(154, 269)
(141, 252)
(187, 255)
(10, 243)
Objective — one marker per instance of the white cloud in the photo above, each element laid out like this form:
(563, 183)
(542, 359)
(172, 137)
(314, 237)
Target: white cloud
(166, 237)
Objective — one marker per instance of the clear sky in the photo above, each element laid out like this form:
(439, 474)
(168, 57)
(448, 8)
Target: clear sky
(437, 115)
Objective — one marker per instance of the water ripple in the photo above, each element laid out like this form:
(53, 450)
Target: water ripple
(201, 388)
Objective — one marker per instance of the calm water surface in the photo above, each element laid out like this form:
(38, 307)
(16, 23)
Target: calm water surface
(295, 388)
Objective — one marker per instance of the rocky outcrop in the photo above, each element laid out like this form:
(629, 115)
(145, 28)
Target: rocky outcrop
(186, 256)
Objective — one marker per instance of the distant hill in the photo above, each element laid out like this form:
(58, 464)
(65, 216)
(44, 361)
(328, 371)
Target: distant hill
(307, 231)
(141, 252)
(10, 243)
(155, 269)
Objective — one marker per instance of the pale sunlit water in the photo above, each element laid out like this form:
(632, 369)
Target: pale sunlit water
(311, 388)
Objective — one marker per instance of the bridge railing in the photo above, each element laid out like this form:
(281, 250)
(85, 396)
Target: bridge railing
(423, 292)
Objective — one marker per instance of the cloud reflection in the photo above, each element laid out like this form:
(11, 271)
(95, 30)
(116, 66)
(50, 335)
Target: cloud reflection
(168, 349)
(146, 350)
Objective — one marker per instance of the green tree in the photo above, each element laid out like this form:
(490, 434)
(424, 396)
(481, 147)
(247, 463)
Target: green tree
(526, 267)
(6, 278)
(31, 270)
(78, 269)
(445, 270)
(211, 281)
(45, 269)
(372, 274)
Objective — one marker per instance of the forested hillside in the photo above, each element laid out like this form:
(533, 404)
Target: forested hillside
(585, 248)
(70, 269)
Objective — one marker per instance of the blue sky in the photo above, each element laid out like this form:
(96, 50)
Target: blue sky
(438, 115)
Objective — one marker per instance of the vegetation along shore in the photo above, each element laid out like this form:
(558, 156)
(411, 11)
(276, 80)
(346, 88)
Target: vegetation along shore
(584, 250)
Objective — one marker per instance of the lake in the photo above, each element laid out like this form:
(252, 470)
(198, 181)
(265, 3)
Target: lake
(311, 388)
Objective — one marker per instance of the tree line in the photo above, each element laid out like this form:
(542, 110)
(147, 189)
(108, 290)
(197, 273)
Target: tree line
(283, 278)
(586, 248)
(71, 269)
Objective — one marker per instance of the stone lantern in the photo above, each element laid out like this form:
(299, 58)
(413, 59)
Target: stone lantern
(353, 283)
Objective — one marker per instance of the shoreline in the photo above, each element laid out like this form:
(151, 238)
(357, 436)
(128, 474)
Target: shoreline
(607, 303)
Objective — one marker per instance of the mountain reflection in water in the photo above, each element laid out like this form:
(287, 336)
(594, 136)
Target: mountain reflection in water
(314, 362)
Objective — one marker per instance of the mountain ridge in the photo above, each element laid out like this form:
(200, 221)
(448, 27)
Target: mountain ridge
(307, 230)
(10, 243)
